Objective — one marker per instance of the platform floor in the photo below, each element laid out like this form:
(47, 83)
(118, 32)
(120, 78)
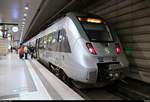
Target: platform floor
(22, 79)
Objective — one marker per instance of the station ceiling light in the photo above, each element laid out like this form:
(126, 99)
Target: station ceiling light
(15, 29)
(26, 8)
(23, 22)
(25, 14)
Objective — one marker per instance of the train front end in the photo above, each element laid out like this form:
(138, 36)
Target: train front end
(105, 49)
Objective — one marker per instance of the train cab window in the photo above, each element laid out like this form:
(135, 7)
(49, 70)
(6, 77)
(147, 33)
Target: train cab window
(96, 31)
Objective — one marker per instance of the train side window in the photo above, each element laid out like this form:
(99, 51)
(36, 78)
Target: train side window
(64, 47)
(60, 36)
(54, 41)
(59, 40)
(45, 43)
(42, 42)
(49, 39)
(66, 43)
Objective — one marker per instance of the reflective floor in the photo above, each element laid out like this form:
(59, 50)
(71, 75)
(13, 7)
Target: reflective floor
(22, 79)
(15, 78)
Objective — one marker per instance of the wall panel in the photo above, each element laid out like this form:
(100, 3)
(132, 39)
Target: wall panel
(131, 19)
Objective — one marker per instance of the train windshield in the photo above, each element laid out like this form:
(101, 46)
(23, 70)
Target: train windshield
(96, 30)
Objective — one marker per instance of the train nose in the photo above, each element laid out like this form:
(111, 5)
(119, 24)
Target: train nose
(101, 49)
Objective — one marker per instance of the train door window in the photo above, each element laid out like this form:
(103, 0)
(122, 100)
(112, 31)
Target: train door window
(65, 47)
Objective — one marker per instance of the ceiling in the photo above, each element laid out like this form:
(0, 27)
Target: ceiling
(12, 13)
(40, 14)
(50, 10)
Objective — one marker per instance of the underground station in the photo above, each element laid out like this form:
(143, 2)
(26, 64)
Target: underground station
(75, 50)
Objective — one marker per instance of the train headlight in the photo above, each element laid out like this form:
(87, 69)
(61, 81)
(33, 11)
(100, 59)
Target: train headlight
(110, 74)
(116, 75)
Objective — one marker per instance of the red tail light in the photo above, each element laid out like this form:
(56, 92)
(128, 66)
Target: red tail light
(118, 49)
(91, 49)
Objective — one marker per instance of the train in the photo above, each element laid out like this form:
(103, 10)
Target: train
(82, 47)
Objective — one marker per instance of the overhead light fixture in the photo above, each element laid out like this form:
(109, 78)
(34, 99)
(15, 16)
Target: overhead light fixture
(23, 22)
(15, 29)
(25, 14)
(26, 8)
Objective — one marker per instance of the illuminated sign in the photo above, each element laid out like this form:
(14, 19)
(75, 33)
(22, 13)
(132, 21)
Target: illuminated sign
(92, 20)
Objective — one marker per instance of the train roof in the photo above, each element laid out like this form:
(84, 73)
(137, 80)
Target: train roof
(69, 14)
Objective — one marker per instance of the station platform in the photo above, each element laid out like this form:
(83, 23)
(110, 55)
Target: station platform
(22, 79)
